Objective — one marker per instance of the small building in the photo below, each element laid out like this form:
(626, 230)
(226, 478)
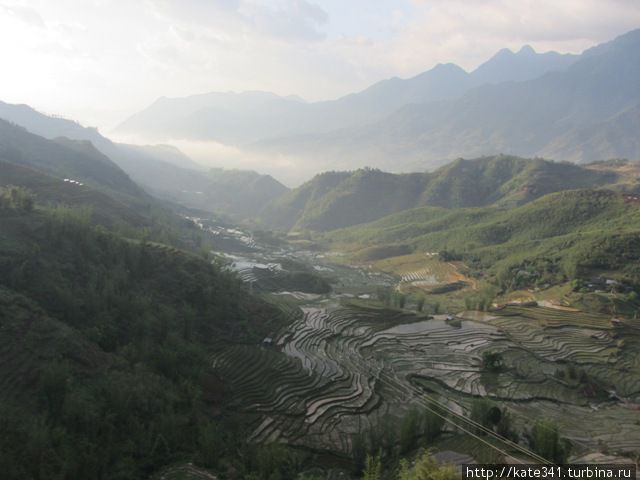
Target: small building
(267, 342)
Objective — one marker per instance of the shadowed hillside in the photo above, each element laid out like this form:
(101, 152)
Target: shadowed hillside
(104, 349)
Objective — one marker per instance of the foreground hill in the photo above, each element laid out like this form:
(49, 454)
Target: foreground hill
(549, 115)
(560, 236)
(339, 199)
(162, 170)
(104, 350)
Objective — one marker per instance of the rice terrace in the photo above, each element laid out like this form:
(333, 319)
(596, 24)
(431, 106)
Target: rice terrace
(348, 369)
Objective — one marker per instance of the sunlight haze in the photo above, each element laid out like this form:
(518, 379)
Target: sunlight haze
(98, 61)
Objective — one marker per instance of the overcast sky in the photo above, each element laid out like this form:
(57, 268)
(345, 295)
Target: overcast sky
(98, 61)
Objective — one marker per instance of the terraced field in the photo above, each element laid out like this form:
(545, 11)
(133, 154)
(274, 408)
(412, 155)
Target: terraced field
(337, 370)
(422, 271)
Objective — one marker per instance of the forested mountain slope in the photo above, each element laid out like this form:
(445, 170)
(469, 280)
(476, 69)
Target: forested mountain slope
(338, 199)
(104, 350)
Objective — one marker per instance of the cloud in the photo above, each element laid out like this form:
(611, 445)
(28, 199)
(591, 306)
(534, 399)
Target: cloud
(468, 31)
(293, 20)
(290, 20)
(24, 14)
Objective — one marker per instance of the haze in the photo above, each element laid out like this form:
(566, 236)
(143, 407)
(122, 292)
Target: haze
(98, 61)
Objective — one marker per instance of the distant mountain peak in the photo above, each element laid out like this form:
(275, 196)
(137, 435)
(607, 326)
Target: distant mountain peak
(447, 67)
(526, 50)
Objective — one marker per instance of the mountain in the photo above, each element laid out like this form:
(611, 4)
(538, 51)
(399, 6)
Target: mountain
(105, 348)
(338, 199)
(240, 118)
(54, 127)
(162, 170)
(232, 117)
(77, 160)
(525, 118)
(526, 64)
(615, 137)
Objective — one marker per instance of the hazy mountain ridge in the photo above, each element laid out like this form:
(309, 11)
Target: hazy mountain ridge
(339, 199)
(251, 116)
(525, 118)
(64, 158)
(163, 170)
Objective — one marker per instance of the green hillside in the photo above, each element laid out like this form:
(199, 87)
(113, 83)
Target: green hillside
(64, 158)
(104, 350)
(105, 210)
(99, 187)
(340, 199)
(554, 238)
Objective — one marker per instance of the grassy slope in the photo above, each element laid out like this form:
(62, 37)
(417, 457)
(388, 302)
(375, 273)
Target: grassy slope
(106, 210)
(573, 231)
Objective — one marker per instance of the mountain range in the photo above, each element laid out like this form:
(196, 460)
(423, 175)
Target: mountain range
(245, 117)
(554, 115)
(575, 107)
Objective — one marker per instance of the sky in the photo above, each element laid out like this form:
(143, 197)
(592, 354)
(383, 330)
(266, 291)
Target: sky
(99, 61)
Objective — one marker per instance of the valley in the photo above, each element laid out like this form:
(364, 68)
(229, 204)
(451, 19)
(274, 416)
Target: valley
(351, 365)
(384, 280)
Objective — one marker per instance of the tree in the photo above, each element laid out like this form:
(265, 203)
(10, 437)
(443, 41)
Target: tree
(546, 441)
(432, 423)
(211, 444)
(399, 299)
(492, 360)
(373, 468)
(485, 412)
(54, 388)
(426, 468)
(16, 198)
(420, 303)
(409, 431)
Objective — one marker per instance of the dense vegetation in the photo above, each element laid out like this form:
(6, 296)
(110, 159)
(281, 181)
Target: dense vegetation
(558, 237)
(103, 343)
(341, 199)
